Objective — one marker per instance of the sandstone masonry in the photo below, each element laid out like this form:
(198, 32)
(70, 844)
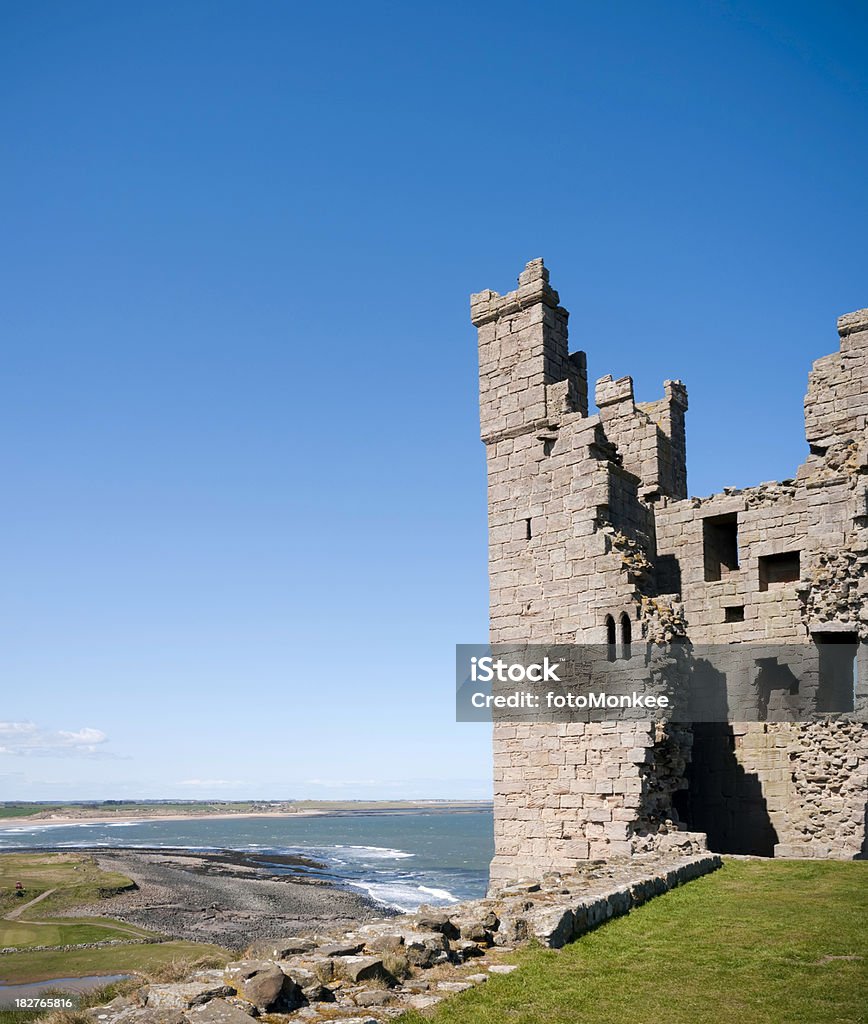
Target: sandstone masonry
(593, 539)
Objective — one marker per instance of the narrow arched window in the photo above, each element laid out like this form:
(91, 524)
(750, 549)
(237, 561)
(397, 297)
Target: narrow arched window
(626, 634)
(611, 638)
(610, 631)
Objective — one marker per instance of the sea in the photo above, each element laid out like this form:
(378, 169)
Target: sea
(403, 860)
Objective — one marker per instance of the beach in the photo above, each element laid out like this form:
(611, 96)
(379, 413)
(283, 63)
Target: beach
(227, 898)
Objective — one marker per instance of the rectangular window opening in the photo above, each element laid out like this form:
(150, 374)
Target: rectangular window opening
(775, 570)
(720, 546)
(528, 530)
(838, 671)
(735, 613)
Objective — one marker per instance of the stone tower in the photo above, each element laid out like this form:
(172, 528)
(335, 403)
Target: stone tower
(593, 539)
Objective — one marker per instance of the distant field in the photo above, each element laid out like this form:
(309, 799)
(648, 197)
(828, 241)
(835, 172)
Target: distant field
(70, 880)
(22, 810)
(120, 809)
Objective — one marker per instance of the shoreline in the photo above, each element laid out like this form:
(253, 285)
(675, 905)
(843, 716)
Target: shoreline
(60, 820)
(228, 898)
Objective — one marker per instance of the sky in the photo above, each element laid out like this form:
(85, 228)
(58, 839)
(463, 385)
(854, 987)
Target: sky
(243, 521)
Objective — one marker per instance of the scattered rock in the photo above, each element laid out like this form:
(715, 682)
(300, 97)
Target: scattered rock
(264, 984)
(218, 1011)
(363, 969)
(341, 949)
(183, 995)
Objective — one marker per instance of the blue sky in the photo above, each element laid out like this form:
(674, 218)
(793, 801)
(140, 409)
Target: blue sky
(243, 517)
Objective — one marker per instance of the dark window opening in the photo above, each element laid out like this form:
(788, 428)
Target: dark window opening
(610, 637)
(777, 569)
(838, 669)
(668, 574)
(528, 531)
(720, 545)
(548, 446)
(626, 634)
(735, 613)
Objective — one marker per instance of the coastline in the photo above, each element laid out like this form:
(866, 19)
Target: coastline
(340, 810)
(227, 898)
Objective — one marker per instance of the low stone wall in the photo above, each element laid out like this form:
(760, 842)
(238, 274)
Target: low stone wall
(379, 970)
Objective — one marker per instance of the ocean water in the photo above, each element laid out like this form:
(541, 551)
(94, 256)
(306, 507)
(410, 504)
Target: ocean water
(399, 860)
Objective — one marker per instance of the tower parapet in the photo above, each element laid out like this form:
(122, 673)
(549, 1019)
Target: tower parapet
(527, 377)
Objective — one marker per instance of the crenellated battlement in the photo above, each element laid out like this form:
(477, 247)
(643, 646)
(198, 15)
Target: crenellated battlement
(593, 539)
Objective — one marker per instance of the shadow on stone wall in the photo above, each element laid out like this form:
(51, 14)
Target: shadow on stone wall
(722, 799)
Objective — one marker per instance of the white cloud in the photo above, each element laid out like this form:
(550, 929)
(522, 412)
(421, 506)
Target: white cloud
(27, 739)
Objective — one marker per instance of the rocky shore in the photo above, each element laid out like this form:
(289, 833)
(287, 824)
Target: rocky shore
(227, 898)
(373, 972)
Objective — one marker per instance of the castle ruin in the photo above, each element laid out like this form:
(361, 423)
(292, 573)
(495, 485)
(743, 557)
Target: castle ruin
(594, 540)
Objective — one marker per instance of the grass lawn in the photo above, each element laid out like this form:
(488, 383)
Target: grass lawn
(77, 879)
(22, 810)
(76, 876)
(17, 968)
(759, 942)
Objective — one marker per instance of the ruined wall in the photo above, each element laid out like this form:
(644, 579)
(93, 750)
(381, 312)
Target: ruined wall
(589, 523)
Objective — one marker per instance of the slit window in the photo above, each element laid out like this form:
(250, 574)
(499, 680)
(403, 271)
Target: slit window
(611, 638)
(778, 569)
(626, 634)
(528, 530)
(720, 546)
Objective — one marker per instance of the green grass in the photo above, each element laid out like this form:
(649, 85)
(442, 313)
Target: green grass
(77, 877)
(759, 942)
(23, 810)
(18, 968)
(78, 880)
(64, 932)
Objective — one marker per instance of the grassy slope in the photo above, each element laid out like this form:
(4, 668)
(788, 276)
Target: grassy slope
(78, 880)
(754, 943)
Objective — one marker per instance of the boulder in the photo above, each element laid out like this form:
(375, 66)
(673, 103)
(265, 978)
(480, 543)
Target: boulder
(374, 997)
(436, 921)
(465, 949)
(183, 995)
(264, 984)
(341, 949)
(475, 931)
(359, 969)
(385, 943)
(217, 1011)
(305, 968)
(115, 1013)
(280, 949)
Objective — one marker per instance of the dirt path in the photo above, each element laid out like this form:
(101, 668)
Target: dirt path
(18, 911)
